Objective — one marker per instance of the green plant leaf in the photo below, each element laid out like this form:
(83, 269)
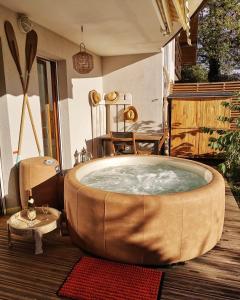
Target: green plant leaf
(222, 168)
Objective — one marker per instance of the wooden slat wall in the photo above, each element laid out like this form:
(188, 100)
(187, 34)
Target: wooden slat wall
(188, 116)
(234, 115)
(231, 86)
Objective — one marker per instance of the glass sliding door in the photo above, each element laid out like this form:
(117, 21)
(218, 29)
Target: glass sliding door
(48, 93)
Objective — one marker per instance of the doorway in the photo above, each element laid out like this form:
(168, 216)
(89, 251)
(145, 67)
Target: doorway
(48, 93)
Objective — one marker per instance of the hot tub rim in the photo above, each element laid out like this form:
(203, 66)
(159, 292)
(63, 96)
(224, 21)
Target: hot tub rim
(216, 177)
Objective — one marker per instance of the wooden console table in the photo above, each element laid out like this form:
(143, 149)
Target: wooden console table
(157, 139)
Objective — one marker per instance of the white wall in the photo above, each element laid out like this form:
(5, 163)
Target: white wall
(74, 105)
(169, 59)
(80, 112)
(142, 76)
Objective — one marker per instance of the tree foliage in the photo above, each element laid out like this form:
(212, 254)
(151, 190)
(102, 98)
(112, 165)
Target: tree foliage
(195, 73)
(219, 37)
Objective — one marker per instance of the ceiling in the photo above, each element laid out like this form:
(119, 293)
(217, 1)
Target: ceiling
(111, 27)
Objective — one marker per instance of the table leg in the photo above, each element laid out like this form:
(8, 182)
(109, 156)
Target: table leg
(38, 242)
(161, 143)
(59, 224)
(156, 147)
(9, 237)
(102, 147)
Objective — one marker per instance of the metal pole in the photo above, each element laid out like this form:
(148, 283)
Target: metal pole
(117, 116)
(108, 129)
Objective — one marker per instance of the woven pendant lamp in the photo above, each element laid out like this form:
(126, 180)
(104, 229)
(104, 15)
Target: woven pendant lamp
(83, 61)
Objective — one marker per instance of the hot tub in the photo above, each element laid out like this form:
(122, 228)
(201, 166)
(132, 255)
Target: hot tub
(145, 228)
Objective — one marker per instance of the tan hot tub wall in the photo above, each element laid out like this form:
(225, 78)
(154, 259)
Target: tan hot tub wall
(146, 229)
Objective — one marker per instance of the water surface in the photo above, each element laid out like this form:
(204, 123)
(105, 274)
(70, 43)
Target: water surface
(144, 179)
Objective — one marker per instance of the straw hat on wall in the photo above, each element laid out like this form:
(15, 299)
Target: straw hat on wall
(130, 114)
(112, 96)
(95, 97)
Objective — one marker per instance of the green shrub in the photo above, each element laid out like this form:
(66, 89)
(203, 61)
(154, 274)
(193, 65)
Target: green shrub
(195, 73)
(228, 141)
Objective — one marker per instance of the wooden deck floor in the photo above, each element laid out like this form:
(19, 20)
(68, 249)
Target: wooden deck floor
(215, 275)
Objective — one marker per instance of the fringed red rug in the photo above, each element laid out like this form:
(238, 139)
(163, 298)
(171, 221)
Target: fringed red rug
(93, 278)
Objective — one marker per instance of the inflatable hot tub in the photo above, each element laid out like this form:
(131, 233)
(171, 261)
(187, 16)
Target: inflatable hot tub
(156, 226)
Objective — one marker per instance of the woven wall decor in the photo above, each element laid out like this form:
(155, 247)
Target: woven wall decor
(83, 61)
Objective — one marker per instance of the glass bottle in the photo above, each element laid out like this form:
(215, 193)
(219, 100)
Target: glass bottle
(31, 212)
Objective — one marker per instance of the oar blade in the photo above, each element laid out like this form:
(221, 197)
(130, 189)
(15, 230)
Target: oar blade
(12, 43)
(31, 49)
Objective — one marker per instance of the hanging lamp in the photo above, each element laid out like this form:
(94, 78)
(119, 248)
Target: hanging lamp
(83, 61)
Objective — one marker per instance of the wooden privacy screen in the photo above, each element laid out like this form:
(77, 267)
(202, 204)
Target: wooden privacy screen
(195, 105)
(231, 86)
(187, 117)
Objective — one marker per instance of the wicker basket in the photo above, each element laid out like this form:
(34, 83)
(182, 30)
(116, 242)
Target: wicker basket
(83, 61)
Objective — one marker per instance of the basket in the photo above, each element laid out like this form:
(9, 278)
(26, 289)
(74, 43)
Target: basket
(83, 61)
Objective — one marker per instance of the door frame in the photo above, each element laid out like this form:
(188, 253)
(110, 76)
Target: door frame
(55, 102)
(2, 194)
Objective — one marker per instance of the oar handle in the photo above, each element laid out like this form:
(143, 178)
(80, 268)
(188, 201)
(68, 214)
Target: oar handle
(21, 128)
(27, 81)
(33, 127)
(26, 102)
(31, 116)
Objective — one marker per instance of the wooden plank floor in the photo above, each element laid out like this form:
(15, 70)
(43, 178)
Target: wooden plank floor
(215, 275)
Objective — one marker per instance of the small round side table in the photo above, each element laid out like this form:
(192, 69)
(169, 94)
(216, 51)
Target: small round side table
(19, 224)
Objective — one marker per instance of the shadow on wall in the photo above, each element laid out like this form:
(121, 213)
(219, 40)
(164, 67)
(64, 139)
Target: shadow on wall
(184, 149)
(146, 127)
(13, 195)
(2, 77)
(93, 146)
(114, 63)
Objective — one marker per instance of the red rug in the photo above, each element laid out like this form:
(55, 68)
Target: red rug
(98, 279)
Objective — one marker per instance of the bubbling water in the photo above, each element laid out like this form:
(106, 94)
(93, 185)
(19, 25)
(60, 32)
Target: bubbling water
(144, 179)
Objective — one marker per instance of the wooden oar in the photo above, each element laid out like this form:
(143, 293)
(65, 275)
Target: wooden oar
(12, 43)
(30, 53)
